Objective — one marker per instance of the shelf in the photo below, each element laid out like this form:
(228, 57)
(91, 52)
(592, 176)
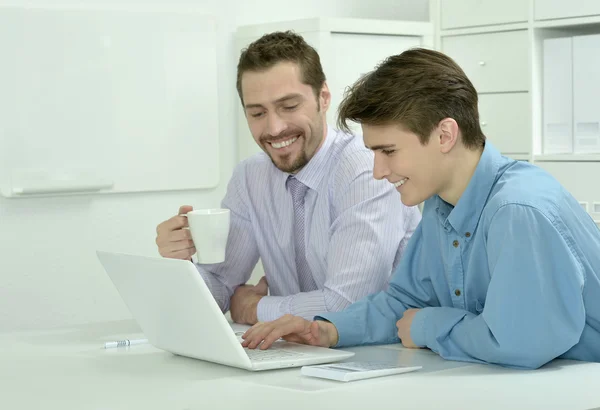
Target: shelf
(484, 29)
(567, 22)
(342, 25)
(372, 26)
(567, 158)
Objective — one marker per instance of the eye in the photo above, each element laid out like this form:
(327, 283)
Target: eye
(290, 107)
(257, 115)
(388, 152)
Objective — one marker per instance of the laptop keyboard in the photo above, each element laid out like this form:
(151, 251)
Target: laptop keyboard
(271, 354)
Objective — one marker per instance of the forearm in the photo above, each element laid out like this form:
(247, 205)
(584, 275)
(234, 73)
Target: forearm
(220, 291)
(305, 304)
(369, 321)
(456, 334)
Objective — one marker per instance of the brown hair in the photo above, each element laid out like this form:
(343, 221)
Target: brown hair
(416, 89)
(279, 47)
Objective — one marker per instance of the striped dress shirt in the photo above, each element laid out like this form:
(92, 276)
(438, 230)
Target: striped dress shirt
(356, 229)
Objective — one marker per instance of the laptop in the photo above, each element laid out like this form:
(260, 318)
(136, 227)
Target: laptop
(177, 313)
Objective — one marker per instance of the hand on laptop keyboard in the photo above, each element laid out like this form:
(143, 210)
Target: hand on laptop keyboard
(293, 329)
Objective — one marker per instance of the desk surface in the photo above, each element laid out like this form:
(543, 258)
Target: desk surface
(69, 369)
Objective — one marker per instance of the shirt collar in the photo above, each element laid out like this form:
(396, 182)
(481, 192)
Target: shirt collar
(313, 173)
(465, 215)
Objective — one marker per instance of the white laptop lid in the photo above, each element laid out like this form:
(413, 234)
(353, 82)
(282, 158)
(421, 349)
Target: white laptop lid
(177, 313)
(174, 307)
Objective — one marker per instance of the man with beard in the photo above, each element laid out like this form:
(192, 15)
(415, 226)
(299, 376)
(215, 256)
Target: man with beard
(326, 231)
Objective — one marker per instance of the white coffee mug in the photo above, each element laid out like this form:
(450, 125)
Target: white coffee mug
(209, 229)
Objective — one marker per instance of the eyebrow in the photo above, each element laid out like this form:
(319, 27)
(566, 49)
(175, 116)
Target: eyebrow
(378, 147)
(277, 101)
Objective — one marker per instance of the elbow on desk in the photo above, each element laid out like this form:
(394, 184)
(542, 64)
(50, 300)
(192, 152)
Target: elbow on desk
(535, 354)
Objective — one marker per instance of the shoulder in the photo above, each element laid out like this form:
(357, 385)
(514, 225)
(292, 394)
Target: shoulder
(252, 176)
(350, 158)
(522, 186)
(252, 167)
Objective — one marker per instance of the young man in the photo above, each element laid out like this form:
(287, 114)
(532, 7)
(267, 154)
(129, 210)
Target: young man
(504, 267)
(326, 231)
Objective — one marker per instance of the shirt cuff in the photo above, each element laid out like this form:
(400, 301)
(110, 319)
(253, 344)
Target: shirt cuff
(348, 333)
(272, 307)
(418, 329)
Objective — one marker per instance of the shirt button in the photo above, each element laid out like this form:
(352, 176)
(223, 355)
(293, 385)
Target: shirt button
(455, 244)
(468, 234)
(457, 292)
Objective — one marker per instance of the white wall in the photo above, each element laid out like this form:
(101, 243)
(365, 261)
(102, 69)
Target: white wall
(49, 275)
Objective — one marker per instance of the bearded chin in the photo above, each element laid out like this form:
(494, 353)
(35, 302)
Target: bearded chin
(288, 166)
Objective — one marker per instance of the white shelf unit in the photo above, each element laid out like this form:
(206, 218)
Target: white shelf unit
(348, 48)
(499, 44)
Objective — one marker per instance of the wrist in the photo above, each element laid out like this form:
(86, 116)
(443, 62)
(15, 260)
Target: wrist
(252, 310)
(333, 334)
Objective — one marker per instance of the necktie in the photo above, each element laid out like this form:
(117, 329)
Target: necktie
(298, 190)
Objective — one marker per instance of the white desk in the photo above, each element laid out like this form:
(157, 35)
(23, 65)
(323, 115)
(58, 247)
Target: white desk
(69, 369)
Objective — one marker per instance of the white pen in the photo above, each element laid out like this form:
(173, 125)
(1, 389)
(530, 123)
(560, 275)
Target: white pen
(126, 342)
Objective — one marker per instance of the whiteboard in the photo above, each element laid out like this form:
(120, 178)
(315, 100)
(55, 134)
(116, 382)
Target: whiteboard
(107, 101)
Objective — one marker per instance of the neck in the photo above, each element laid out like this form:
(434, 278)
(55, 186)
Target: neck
(461, 169)
(323, 137)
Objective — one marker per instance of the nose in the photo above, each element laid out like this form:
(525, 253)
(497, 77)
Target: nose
(380, 167)
(275, 124)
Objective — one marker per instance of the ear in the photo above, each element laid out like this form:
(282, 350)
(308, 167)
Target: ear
(325, 97)
(448, 134)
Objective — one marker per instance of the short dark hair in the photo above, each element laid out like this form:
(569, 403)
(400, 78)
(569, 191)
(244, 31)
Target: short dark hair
(415, 89)
(282, 46)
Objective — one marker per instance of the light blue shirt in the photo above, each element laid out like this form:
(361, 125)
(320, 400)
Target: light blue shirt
(356, 231)
(508, 276)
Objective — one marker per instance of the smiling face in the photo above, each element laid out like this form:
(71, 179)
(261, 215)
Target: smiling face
(416, 170)
(285, 118)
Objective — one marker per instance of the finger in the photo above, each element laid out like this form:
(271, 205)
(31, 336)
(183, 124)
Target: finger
(268, 330)
(177, 222)
(185, 254)
(260, 335)
(184, 209)
(170, 247)
(270, 339)
(172, 224)
(262, 286)
(167, 248)
(179, 235)
(293, 326)
(253, 334)
(248, 333)
(174, 241)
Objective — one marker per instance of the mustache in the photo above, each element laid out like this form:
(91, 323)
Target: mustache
(283, 136)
